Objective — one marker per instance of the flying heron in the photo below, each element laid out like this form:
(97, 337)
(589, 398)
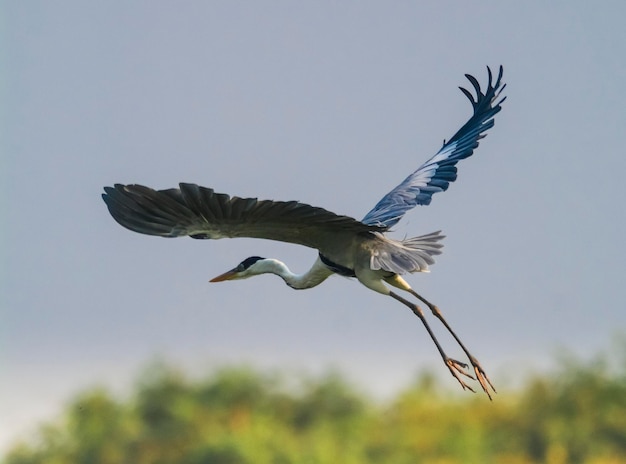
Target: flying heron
(347, 247)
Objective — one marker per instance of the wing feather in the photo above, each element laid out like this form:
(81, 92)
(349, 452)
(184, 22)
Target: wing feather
(199, 212)
(436, 174)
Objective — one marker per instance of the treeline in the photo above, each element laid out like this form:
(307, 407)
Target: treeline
(237, 415)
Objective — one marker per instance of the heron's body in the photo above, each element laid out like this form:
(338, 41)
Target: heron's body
(346, 246)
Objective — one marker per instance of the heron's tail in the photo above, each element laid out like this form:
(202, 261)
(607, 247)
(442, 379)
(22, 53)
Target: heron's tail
(409, 255)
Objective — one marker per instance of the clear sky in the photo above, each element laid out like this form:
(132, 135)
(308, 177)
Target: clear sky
(329, 103)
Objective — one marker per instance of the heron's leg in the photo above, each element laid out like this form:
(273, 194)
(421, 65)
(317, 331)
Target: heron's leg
(455, 367)
(480, 373)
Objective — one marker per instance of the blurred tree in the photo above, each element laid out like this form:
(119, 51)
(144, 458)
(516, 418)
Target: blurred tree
(577, 413)
(238, 416)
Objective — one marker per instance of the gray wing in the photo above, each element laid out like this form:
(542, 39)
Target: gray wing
(199, 212)
(436, 174)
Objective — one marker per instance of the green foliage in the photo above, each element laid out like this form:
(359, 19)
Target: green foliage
(239, 416)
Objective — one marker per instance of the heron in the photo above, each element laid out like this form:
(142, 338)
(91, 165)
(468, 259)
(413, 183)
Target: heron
(348, 247)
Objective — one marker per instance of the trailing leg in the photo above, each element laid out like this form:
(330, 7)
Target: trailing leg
(481, 376)
(455, 367)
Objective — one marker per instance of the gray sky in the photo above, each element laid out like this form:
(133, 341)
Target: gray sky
(330, 103)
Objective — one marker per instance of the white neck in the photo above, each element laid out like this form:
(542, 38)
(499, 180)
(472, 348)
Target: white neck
(314, 276)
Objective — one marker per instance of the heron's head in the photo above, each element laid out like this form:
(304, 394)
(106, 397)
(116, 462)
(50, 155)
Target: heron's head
(249, 267)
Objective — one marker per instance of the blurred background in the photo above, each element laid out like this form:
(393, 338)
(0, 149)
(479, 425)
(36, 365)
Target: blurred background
(332, 104)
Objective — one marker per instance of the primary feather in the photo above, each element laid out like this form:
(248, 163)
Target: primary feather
(436, 174)
(201, 213)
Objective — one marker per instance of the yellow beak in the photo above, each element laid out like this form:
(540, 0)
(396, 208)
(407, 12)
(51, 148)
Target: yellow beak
(226, 276)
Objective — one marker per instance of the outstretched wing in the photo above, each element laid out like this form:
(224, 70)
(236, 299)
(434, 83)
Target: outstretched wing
(436, 174)
(199, 212)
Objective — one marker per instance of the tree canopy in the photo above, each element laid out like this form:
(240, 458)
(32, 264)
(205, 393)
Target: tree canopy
(576, 414)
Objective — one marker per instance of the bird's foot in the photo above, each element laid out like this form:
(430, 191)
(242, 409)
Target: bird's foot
(457, 369)
(481, 376)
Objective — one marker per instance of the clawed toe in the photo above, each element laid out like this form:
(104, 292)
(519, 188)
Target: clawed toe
(456, 368)
(459, 369)
(482, 378)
